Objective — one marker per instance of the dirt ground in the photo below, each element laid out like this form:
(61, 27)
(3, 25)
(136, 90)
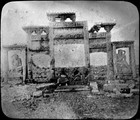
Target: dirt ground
(72, 105)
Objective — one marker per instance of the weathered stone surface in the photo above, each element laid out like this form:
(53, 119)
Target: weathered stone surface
(117, 94)
(17, 93)
(135, 91)
(40, 86)
(94, 87)
(115, 84)
(131, 84)
(108, 87)
(37, 93)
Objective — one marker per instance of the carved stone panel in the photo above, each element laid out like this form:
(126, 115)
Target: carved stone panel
(121, 63)
(16, 61)
(77, 24)
(39, 45)
(68, 33)
(39, 67)
(41, 60)
(68, 41)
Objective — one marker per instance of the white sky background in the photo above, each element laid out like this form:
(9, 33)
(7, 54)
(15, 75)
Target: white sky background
(15, 15)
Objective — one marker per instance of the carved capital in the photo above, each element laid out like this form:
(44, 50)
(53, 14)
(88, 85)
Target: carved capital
(27, 30)
(108, 26)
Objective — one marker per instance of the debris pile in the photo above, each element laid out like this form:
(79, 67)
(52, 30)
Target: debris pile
(118, 88)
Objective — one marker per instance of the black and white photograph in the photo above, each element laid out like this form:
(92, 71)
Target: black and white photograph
(69, 60)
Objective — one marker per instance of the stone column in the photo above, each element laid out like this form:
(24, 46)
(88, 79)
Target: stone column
(28, 37)
(110, 69)
(6, 62)
(114, 61)
(24, 66)
(110, 73)
(132, 60)
(51, 44)
(86, 45)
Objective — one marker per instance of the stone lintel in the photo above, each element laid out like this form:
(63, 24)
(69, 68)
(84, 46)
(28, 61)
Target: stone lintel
(14, 46)
(62, 16)
(36, 29)
(106, 26)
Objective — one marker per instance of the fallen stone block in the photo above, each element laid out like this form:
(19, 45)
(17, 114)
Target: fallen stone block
(131, 84)
(37, 93)
(121, 86)
(114, 95)
(94, 87)
(135, 91)
(108, 87)
(127, 95)
(41, 86)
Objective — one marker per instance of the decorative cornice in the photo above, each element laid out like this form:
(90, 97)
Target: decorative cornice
(36, 29)
(107, 26)
(63, 16)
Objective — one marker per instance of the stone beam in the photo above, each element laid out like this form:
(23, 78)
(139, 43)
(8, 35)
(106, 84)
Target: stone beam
(63, 16)
(37, 29)
(107, 26)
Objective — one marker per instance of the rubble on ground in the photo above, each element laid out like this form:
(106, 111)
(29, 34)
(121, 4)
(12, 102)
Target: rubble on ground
(119, 88)
(94, 87)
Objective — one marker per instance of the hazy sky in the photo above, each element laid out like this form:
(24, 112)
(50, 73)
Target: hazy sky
(15, 15)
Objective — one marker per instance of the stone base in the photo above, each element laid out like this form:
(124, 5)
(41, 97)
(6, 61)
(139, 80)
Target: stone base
(111, 86)
(37, 93)
(94, 87)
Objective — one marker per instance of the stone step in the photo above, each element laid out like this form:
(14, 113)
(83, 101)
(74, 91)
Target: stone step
(40, 86)
(135, 91)
(73, 88)
(37, 93)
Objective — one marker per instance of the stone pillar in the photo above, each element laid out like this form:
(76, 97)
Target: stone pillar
(132, 60)
(51, 44)
(114, 61)
(6, 64)
(24, 66)
(110, 69)
(86, 45)
(28, 37)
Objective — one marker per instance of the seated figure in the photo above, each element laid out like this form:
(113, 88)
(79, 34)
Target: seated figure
(16, 65)
(122, 65)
